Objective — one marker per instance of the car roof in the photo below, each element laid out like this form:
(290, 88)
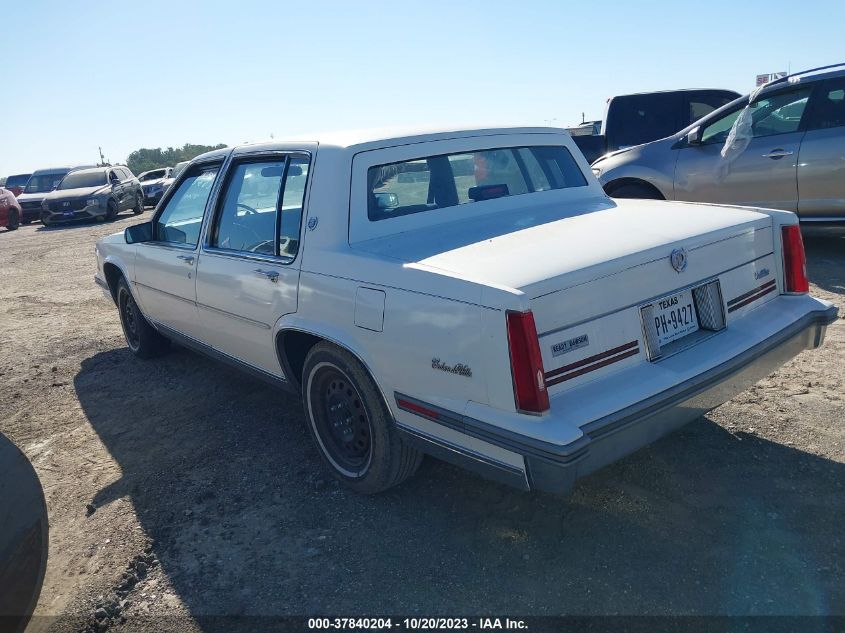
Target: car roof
(812, 74)
(92, 169)
(63, 168)
(679, 90)
(378, 138)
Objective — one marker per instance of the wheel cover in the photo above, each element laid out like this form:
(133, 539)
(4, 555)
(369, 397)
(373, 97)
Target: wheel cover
(129, 319)
(341, 421)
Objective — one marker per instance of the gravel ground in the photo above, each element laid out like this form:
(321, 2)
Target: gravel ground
(187, 489)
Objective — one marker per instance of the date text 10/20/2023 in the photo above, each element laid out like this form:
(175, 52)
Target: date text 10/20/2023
(417, 623)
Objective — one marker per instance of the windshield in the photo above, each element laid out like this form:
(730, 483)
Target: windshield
(151, 175)
(42, 183)
(81, 179)
(17, 181)
(178, 169)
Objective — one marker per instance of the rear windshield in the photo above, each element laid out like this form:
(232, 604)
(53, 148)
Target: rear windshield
(17, 181)
(81, 179)
(448, 180)
(42, 183)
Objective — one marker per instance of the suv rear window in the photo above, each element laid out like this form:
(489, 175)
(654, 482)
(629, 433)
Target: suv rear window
(448, 180)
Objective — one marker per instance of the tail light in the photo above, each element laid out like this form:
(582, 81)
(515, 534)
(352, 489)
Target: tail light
(529, 384)
(794, 260)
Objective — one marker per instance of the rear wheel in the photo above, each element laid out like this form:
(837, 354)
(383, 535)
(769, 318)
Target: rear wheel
(141, 338)
(14, 220)
(635, 190)
(138, 209)
(351, 425)
(111, 214)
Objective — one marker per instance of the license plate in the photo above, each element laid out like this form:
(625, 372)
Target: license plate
(674, 317)
(68, 214)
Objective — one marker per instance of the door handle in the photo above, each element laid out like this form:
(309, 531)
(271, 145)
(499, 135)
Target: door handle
(777, 153)
(188, 259)
(272, 275)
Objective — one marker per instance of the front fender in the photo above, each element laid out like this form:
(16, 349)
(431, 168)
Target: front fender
(661, 181)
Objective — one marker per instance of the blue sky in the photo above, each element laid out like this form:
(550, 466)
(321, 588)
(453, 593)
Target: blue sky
(125, 75)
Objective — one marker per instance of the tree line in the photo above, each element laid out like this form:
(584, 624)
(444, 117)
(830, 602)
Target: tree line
(144, 159)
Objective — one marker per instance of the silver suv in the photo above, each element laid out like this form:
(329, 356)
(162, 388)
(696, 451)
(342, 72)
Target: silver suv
(780, 147)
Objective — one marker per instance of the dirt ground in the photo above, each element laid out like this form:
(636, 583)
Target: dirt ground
(189, 490)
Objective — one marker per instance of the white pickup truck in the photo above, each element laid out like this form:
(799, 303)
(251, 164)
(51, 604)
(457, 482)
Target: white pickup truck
(473, 295)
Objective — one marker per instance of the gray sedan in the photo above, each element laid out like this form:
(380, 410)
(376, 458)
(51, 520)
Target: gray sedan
(781, 147)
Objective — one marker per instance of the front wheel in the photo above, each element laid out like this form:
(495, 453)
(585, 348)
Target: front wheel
(350, 423)
(138, 209)
(14, 221)
(111, 212)
(635, 190)
(143, 340)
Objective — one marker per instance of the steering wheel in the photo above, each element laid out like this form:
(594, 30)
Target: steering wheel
(249, 210)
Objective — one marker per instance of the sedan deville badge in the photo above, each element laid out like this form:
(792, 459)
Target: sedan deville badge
(460, 368)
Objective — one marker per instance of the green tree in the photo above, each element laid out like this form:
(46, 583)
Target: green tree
(144, 159)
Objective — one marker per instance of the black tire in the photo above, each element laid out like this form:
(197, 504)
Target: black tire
(13, 221)
(350, 423)
(634, 190)
(111, 212)
(141, 337)
(44, 220)
(138, 209)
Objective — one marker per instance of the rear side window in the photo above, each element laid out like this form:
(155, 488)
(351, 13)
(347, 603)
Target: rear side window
(828, 109)
(247, 220)
(258, 205)
(435, 182)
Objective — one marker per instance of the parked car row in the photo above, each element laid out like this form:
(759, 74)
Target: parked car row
(82, 192)
(781, 147)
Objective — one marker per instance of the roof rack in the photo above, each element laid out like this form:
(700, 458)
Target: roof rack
(804, 72)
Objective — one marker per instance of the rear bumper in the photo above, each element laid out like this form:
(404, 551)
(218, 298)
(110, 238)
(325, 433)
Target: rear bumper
(555, 467)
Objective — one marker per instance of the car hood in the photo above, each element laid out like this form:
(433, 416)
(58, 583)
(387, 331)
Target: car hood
(147, 183)
(37, 197)
(76, 193)
(114, 238)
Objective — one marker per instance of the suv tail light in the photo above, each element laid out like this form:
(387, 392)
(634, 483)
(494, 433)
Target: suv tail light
(794, 260)
(529, 384)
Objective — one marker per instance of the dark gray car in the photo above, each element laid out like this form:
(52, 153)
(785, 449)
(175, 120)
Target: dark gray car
(781, 147)
(93, 194)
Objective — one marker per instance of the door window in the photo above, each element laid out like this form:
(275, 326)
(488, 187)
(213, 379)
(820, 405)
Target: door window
(828, 108)
(247, 218)
(776, 114)
(180, 221)
(779, 114)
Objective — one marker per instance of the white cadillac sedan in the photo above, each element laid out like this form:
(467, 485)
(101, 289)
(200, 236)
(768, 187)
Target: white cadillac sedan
(473, 295)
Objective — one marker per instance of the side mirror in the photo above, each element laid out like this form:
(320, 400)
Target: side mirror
(694, 136)
(139, 233)
(386, 200)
